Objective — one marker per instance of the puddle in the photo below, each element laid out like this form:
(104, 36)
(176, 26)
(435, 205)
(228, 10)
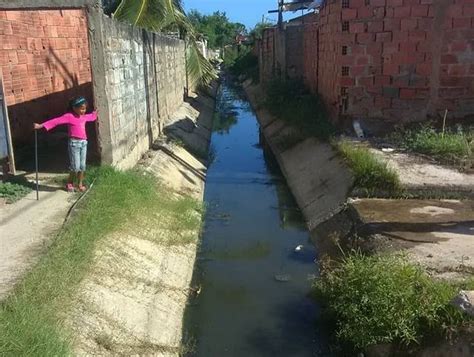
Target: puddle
(254, 287)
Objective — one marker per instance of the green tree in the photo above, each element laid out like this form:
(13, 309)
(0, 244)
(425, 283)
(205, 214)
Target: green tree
(216, 28)
(163, 15)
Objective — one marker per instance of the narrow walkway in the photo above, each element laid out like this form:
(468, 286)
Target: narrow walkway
(26, 228)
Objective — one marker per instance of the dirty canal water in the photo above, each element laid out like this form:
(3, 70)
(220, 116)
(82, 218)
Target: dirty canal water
(254, 277)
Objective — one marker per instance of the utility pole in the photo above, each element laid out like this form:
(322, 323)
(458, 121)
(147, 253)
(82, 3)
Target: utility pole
(280, 14)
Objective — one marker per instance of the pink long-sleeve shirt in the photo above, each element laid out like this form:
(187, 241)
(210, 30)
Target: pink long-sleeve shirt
(76, 125)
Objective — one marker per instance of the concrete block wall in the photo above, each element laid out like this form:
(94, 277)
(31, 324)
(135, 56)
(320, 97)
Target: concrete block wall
(170, 66)
(127, 88)
(144, 83)
(44, 61)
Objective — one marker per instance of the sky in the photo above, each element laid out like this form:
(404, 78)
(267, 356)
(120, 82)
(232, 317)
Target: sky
(248, 12)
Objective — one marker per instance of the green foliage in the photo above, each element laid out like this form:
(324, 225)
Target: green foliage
(32, 318)
(200, 70)
(162, 15)
(291, 102)
(385, 299)
(12, 192)
(370, 173)
(240, 61)
(426, 140)
(216, 28)
(257, 31)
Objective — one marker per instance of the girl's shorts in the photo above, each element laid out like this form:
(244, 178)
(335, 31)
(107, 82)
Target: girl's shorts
(77, 154)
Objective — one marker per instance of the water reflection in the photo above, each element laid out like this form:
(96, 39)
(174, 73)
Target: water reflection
(251, 230)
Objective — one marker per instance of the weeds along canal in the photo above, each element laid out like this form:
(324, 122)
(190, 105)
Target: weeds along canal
(254, 283)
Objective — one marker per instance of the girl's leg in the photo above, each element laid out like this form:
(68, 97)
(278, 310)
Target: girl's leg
(82, 165)
(70, 179)
(74, 158)
(80, 178)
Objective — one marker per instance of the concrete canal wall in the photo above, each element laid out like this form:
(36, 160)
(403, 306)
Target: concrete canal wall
(317, 177)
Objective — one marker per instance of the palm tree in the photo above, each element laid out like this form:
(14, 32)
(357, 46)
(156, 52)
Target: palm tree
(160, 15)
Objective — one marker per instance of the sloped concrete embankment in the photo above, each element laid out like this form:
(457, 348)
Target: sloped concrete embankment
(438, 234)
(133, 301)
(316, 175)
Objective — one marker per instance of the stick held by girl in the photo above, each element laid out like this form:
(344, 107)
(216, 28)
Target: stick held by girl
(76, 120)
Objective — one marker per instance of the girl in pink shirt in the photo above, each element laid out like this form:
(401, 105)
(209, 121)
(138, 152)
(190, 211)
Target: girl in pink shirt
(76, 120)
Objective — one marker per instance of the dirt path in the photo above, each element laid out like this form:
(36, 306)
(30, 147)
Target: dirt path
(26, 228)
(417, 172)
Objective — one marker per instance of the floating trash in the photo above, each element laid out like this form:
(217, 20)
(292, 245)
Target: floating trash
(299, 248)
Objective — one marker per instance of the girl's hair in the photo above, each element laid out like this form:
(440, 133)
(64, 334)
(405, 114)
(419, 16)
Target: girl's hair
(76, 102)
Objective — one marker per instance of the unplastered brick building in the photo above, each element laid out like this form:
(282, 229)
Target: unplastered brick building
(392, 61)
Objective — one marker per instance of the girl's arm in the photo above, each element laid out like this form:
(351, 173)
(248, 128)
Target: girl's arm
(50, 124)
(92, 116)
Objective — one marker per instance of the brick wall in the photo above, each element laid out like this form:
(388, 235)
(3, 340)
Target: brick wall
(294, 51)
(267, 55)
(281, 53)
(405, 60)
(392, 61)
(145, 80)
(44, 60)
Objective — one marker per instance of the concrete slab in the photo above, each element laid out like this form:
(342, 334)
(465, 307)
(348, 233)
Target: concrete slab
(437, 233)
(192, 124)
(26, 228)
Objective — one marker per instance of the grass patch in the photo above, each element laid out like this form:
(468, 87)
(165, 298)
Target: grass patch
(32, 318)
(370, 173)
(13, 192)
(291, 102)
(452, 146)
(386, 299)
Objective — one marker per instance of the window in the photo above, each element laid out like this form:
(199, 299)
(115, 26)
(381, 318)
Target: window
(367, 2)
(344, 50)
(345, 26)
(345, 4)
(345, 71)
(343, 91)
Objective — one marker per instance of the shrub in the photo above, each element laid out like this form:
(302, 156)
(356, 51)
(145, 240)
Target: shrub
(385, 299)
(370, 173)
(426, 140)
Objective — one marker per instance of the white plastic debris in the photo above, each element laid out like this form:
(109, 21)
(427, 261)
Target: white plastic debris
(358, 129)
(388, 150)
(299, 248)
